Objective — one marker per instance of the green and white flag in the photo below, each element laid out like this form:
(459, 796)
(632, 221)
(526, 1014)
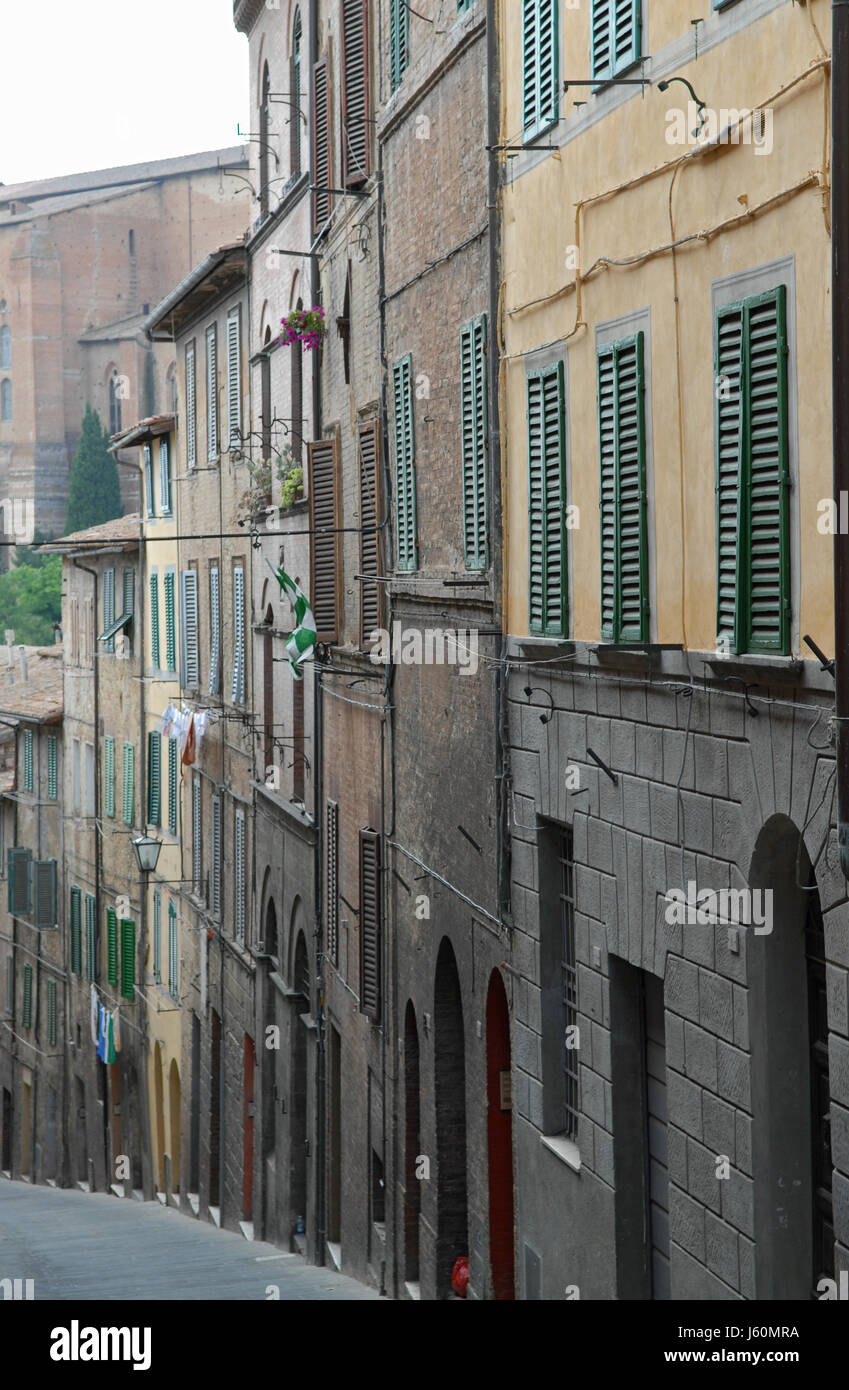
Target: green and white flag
(302, 640)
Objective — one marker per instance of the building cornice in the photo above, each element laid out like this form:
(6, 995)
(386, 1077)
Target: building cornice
(245, 14)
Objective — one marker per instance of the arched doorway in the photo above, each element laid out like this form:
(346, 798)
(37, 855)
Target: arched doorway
(499, 1126)
(158, 1122)
(268, 1074)
(791, 1144)
(174, 1123)
(298, 1135)
(450, 1077)
(412, 1145)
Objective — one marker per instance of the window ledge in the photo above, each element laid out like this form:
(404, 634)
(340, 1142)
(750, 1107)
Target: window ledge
(757, 661)
(564, 1149)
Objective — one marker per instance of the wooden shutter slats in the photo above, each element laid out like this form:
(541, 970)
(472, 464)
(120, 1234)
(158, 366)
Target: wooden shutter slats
(355, 106)
(473, 424)
(322, 201)
(370, 924)
(211, 394)
(191, 659)
(324, 595)
(622, 491)
(128, 958)
(333, 881)
(215, 630)
(234, 381)
(112, 945)
(370, 605)
(546, 483)
(405, 468)
(191, 415)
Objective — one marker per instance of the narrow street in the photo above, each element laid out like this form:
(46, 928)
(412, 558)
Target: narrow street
(77, 1245)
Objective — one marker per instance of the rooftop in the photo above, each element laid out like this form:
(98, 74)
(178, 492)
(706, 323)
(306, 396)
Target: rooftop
(36, 698)
(116, 532)
(121, 176)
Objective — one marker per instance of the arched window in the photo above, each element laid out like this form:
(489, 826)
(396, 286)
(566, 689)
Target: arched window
(114, 405)
(263, 142)
(5, 346)
(295, 97)
(6, 399)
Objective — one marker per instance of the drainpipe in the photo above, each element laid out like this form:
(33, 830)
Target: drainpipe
(840, 397)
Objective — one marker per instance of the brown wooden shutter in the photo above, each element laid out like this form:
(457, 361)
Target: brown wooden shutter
(370, 605)
(321, 199)
(355, 105)
(370, 916)
(298, 740)
(324, 586)
(333, 881)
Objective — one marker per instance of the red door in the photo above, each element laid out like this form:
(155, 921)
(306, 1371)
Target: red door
(248, 1154)
(500, 1139)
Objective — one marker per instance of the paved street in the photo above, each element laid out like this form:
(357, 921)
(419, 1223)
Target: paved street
(77, 1245)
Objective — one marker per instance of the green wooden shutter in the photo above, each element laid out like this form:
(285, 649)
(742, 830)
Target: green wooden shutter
(129, 797)
(51, 1013)
(405, 468)
(154, 622)
(109, 775)
(399, 41)
(189, 615)
(157, 937)
(28, 761)
(473, 405)
(165, 476)
(170, 624)
(44, 912)
(128, 958)
(154, 777)
(540, 65)
(616, 36)
(76, 932)
(150, 507)
(215, 630)
(547, 605)
(52, 768)
(191, 416)
(19, 863)
(753, 474)
(112, 946)
(239, 875)
(26, 1016)
(173, 952)
(90, 938)
(622, 491)
(173, 785)
(108, 607)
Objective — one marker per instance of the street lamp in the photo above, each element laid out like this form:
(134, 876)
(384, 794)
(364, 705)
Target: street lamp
(147, 849)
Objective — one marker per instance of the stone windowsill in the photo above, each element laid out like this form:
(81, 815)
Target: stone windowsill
(564, 1149)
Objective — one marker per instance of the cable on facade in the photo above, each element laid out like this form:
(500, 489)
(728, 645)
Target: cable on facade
(431, 873)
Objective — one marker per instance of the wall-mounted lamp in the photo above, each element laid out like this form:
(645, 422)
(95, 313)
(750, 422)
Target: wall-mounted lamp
(700, 105)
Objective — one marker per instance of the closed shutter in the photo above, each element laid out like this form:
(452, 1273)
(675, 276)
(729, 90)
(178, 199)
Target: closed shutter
(173, 952)
(215, 631)
(405, 470)
(197, 863)
(157, 937)
(622, 491)
(753, 474)
(215, 855)
(546, 480)
(129, 789)
(239, 875)
(90, 938)
(333, 881)
(370, 921)
(19, 865)
(165, 476)
(322, 201)
(325, 547)
(189, 606)
(399, 41)
(170, 624)
(237, 682)
(28, 761)
(149, 499)
(109, 775)
(234, 381)
(173, 785)
(211, 394)
(44, 913)
(108, 607)
(540, 65)
(154, 778)
(155, 659)
(112, 946)
(52, 768)
(616, 36)
(129, 595)
(298, 760)
(297, 118)
(473, 410)
(26, 1015)
(355, 131)
(191, 416)
(76, 932)
(370, 605)
(51, 1013)
(128, 958)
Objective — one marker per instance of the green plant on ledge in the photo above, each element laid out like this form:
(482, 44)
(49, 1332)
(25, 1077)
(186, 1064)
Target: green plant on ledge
(292, 487)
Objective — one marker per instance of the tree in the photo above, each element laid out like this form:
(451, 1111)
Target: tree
(31, 601)
(94, 495)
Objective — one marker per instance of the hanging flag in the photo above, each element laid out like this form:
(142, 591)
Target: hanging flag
(190, 748)
(95, 1006)
(302, 640)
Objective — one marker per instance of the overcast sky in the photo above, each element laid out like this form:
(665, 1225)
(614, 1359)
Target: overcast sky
(103, 82)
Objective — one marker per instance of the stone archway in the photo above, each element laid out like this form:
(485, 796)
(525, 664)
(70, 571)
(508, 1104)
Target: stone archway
(450, 1091)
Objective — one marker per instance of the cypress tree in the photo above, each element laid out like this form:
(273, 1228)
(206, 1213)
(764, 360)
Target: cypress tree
(94, 493)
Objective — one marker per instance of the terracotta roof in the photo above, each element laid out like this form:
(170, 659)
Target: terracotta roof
(121, 529)
(147, 429)
(37, 699)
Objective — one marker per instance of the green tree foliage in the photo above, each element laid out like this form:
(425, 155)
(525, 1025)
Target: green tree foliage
(94, 495)
(31, 601)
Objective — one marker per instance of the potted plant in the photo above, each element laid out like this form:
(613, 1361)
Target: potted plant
(306, 326)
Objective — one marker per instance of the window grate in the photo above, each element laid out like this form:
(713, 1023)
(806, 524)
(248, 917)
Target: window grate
(569, 980)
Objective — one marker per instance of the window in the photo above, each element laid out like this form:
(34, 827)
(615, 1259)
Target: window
(405, 468)
(128, 958)
(540, 66)
(622, 452)
(333, 881)
(26, 1012)
(616, 37)
(173, 950)
(399, 41)
(189, 613)
(5, 399)
(214, 631)
(298, 760)
(547, 607)
(237, 683)
(239, 875)
(90, 938)
(89, 809)
(295, 88)
(5, 346)
(29, 781)
(355, 79)
(234, 380)
(322, 201)
(474, 426)
(51, 1013)
(128, 807)
(108, 607)
(370, 921)
(154, 777)
(19, 865)
(197, 864)
(753, 474)
(324, 563)
(164, 477)
(297, 389)
(155, 660)
(170, 624)
(150, 500)
(109, 775)
(76, 777)
(559, 979)
(191, 407)
(173, 785)
(44, 909)
(370, 605)
(112, 946)
(157, 937)
(129, 595)
(263, 142)
(76, 932)
(52, 768)
(171, 392)
(211, 393)
(114, 404)
(215, 855)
